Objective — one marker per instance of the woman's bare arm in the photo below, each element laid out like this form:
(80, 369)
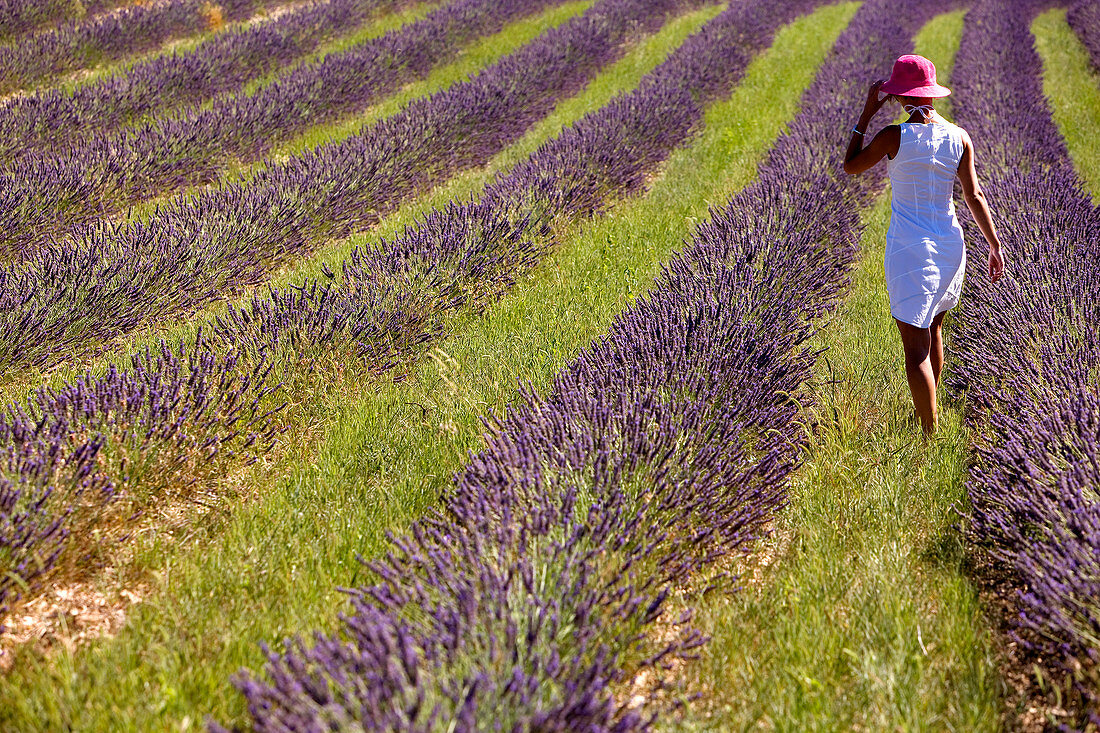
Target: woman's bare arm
(885, 144)
(979, 208)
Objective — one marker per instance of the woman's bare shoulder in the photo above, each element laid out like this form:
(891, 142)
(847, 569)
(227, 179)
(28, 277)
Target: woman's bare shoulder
(961, 130)
(890, 132)
(967, 143)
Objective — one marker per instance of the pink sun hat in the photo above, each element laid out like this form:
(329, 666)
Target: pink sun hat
(913, 76)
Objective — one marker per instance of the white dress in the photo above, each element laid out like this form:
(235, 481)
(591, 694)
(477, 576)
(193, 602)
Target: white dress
(925, 253)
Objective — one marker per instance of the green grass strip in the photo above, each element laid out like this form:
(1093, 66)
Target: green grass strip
(938, 41)
(1071, 89)
(388, 451)
(856, 614)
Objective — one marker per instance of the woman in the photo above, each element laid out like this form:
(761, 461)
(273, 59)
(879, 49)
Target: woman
(925, 254)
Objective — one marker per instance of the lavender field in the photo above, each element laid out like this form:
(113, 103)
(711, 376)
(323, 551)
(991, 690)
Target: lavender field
(526, 365)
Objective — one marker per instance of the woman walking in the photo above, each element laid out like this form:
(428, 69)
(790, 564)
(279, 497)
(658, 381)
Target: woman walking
(925, 253)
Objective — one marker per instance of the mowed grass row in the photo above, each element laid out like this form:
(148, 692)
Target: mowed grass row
(1072, 88)
(857, 614)
(271, 568)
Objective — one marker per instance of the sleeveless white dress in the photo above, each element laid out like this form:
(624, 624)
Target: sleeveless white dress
(925, 254)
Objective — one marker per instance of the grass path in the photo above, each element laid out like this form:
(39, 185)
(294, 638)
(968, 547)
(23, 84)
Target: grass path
(856, 613)
(860, 615)
(1072, 89)
(272, 568)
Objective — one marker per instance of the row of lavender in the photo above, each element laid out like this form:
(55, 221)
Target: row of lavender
(187, 413)
(72, 297)
(53, 119)
(1029, 350)
(111, 36)
(46, 195)
(522, 604)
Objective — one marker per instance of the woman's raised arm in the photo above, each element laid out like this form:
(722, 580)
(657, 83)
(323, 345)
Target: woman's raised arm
(886, 142)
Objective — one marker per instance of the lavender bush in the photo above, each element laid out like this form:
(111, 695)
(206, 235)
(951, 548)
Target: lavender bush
(1028, 350)
(659, 448)
(52, 119)
(97, 449)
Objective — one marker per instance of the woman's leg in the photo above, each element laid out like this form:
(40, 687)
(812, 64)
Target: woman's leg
(917, 343)
(936, 350)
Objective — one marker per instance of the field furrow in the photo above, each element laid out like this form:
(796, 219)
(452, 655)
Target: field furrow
(1072, 88)
(1028, 350)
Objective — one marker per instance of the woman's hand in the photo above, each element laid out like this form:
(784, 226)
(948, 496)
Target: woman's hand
(873, 103)
(996, 264)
